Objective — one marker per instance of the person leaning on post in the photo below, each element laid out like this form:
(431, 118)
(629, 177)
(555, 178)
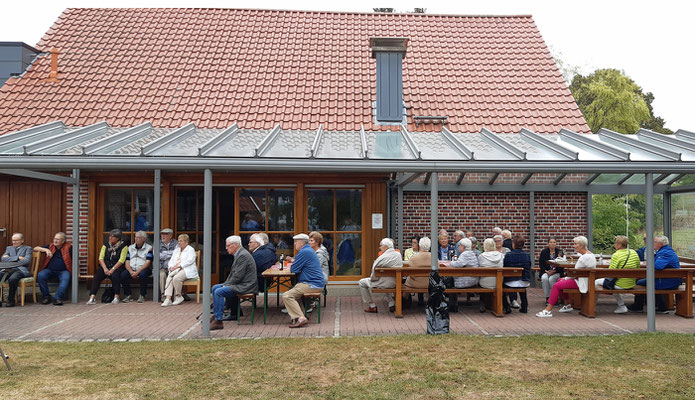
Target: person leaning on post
(310, 278)
(166, 249)
(58, 264)
(111, 257)
(137, 264)
(20, 253)
(623, 258)
(182, 266)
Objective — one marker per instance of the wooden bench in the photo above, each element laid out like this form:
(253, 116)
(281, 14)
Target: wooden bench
(400, 273)
(587, 301)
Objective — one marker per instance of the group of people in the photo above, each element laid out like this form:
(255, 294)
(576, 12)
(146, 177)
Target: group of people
(500, 250)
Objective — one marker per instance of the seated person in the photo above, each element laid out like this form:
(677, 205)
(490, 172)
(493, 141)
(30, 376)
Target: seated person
(263, 255)
(641, 251)
(20, 253)
(467, 258)
(665, 257)
(458, 235)
(549, 274)
(310, 279)
(182, 266)
(413, 250)
(242, 279)
(492, 258)
(58, 264)
(586, 260)
(422, 259)
(444, 248)
(474, 245)
(517, 258)
(623, 258)
(138, 264)
(111, 257)
(389, 258)
(166, 248)
(507, 242)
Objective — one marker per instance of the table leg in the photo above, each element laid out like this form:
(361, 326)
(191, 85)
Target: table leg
(497, 300)
(277, 298)
(265, 299)
(399, 294)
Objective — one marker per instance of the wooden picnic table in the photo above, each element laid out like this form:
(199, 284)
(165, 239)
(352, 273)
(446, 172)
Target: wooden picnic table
(400, 272)
(274, 277)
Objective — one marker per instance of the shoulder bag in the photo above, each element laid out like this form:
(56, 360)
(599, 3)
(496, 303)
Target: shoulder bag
(609, 283)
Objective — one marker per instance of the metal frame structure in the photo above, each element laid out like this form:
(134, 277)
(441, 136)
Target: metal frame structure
(41, 151)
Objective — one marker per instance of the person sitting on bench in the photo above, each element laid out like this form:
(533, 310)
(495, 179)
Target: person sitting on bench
(58, 264)
(389, 258)
(623, 258)
(20, 253)
(111, 258)
(664, 257)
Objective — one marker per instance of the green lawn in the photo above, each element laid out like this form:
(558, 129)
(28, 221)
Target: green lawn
(451, 366)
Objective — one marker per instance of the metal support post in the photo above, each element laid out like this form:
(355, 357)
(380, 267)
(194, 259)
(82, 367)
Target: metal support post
(434, 222)
(590, 221)
(649, 254)
(207, 250)
(401, 239)
(75, 233)
(532, 231)
(157, 228)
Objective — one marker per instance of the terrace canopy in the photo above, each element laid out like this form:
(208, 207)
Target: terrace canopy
(606, 162)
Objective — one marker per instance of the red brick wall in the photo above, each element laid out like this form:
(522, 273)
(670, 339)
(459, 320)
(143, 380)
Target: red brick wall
(84, 217)
(560, 215)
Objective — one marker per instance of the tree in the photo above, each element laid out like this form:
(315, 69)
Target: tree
(609, 99)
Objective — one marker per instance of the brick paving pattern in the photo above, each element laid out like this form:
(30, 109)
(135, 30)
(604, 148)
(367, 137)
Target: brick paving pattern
(344, 316)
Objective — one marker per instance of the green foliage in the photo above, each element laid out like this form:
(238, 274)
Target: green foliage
(609, 99)
(610, 220)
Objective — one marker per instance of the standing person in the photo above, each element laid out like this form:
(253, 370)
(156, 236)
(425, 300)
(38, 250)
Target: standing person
(241, 280)
(549, 274)
(166, 249)
(665, 257)
(138, 264)
(310, 278)
(263, 255)
(112, 256)
(182, 266)
(623, 258)
(490, 258)
(518, 258)
(414, 248)
(389, 258)
(58, 264)
(20, 253)
(587, 260)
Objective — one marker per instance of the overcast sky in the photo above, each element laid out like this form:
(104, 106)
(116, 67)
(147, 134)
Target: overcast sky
(651, 41)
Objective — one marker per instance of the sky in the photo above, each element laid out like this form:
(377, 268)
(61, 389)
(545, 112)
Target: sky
(647, 40)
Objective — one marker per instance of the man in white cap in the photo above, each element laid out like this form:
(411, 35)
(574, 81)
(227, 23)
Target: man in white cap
(166, 249)
(310, 278)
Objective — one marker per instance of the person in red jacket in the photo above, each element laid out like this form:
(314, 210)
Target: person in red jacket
(58, 264)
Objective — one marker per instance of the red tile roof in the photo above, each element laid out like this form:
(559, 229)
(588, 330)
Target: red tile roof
(257, 68)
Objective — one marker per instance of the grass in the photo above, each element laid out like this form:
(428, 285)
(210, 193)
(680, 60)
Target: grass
(396, 367)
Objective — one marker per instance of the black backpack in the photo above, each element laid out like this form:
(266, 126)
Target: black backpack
(107, 296)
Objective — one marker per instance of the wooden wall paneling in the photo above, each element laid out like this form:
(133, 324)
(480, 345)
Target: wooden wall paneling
(36, 210)
(5, 213)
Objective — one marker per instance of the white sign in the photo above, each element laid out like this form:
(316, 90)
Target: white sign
(377, 221)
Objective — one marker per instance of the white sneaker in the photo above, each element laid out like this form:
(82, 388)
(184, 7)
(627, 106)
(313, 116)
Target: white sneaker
(284, 311)
(515, 304)
(566, 308)
(92, 301)
(620, 310)
(127, 299)
(544, 314)
(178, 300)
(166, 303)
(115, 300)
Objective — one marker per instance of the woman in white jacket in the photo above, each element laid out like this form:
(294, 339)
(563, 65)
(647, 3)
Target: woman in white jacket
(490, 258)
(182, 266)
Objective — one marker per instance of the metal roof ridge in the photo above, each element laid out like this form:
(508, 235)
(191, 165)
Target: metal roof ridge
(317, 141)
(679, 133)
(363, 142)
(68, 139)
(607, 149)
(174, 137)
(666, 139)
(267, 141)
(653, 149)
(111, 143)
(411, 144)
(548, 144)
(518, 154)
(215, 142)
(30, 132)
(458, 145)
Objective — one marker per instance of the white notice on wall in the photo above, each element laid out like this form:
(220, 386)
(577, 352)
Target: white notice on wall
(377, 221)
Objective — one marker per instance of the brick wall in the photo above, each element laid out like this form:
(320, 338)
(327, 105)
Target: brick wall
(559, 215)
(84, 217)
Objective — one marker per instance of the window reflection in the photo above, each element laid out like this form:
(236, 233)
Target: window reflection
(320, 210)
(280, 210)
(117, 207)
(349, 208)
(252, 210)
(349, 254)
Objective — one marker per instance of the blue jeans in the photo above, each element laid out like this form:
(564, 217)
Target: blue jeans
(63, 279)
(221, 293)
(142, 278)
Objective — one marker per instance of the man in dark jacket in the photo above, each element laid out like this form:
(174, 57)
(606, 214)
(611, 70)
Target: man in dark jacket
(665, 257)
(241, 280)
(263, 254)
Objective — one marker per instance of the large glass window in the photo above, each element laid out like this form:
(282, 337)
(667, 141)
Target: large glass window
(622, 215)
(337, 214)
(270, 211)
(129, 210)
(683, 224)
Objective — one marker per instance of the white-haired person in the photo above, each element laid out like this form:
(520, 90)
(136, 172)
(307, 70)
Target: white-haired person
(182, 266)
(263, 254)
(489, 258)
(586, 260)
(389, 258)
(466, 258)
(307, 267)
(507, 236)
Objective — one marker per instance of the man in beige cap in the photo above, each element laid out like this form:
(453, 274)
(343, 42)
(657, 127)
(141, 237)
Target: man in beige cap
(166, 248)
(307, 268)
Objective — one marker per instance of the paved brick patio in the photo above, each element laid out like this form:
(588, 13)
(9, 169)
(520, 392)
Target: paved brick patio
(344, 316)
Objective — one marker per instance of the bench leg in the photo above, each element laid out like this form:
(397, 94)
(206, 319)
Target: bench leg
(588, 306)
(684, 305)
(399, 295)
